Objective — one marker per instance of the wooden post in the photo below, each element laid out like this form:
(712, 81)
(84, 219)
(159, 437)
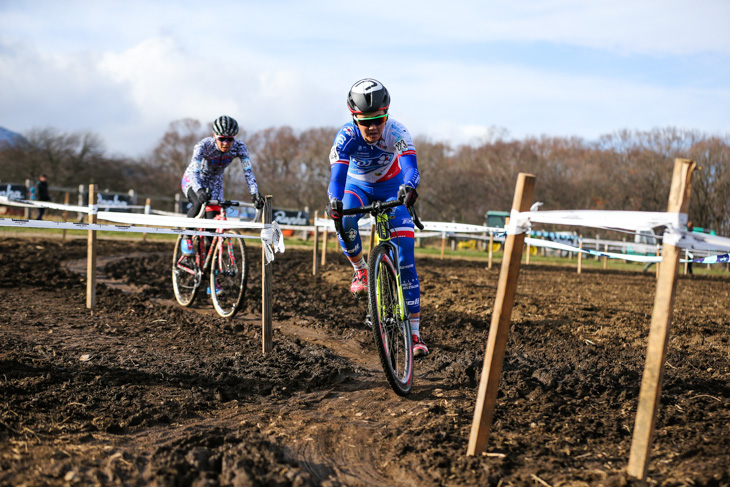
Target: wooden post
(661, 318)
(527, 254)
(91, 252)
(316, 244)
(499, 328)
(658, 253)
(605, 258)
(686, 259)
(147, 209)
(26, 210)
(491, 251)
(266, 285)
(324, 244)
(580, 254)
(443, 244)
(66, 197)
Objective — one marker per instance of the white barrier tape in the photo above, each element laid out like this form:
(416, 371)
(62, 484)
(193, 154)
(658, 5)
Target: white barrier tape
(166, 221)
(93, 210)
(330, 224)
(420, 234)
(427, 226)
(458, 227)
(696, 241)
(272, 240)
(13, 222)
(58, 206)
(495, 237)
(42, 204)
(519, 222)
(536, 242)
(167, 213)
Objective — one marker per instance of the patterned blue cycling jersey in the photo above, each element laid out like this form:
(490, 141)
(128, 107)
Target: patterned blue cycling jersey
(208, 164)
(391, 161)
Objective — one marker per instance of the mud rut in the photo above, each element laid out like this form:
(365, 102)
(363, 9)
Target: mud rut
(141, 391)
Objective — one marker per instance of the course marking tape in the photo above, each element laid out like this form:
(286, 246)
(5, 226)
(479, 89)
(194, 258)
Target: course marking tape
(712, 259)
(20, 222)
(536, 242)
(520, 222)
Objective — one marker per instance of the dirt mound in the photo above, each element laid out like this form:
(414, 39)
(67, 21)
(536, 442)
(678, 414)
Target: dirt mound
(140, 391)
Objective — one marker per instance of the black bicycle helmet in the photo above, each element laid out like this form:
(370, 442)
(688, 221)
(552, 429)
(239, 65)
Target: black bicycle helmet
(225, 125)
(368, 95)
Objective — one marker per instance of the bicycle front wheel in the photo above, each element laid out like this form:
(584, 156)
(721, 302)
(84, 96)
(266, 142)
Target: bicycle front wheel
(186, 275)
(228, 275)
(390, 322)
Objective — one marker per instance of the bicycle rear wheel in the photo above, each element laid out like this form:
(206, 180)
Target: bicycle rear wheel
(186, 275)
(228, 275)
(390, 323)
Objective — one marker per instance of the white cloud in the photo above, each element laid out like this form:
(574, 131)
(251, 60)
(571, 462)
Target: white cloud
(126, 70)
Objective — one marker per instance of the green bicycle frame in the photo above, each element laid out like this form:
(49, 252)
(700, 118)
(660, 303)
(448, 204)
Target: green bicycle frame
(382, 235)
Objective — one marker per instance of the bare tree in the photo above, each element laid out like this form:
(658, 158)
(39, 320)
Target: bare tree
(169, 159)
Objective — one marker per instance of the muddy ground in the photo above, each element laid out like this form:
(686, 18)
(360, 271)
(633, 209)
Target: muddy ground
(140, 391)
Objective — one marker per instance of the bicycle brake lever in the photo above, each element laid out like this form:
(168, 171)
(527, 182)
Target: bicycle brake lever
(416, 220)
(341, 231)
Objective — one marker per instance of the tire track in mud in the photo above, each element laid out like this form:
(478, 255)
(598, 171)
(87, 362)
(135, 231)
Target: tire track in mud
(326, 440)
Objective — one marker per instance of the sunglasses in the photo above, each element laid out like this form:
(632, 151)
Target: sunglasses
(368, 121)
(224, 138)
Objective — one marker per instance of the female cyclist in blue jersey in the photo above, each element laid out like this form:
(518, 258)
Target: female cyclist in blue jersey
(203, 178)
(373, 158)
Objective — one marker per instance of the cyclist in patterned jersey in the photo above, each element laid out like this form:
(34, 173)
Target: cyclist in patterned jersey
(373, 158)
(203, 178)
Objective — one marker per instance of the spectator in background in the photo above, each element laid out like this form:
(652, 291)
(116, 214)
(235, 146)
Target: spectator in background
(41, 194)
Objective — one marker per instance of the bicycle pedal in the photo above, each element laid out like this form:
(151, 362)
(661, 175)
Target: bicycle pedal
(368, 321)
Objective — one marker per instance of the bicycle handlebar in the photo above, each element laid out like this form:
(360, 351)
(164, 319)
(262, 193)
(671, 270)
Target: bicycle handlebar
(224, 203)
(221, 203)
(375, 208)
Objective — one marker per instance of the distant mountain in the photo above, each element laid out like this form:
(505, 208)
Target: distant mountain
(9, 138)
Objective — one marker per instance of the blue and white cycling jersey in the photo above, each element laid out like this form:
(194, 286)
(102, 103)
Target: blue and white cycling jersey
(208, 164)
(361, 173)
(389, 162)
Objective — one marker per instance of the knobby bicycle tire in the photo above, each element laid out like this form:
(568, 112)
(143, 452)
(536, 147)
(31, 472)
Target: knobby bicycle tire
(186, 275)
(228, 275)
(391, 329)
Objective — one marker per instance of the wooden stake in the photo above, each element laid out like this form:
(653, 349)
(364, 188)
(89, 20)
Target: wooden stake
(491, 243)
(605, 258)
(147, 209)
(443, 244)
(65, 212)
(324, 244)
(580, 254)
(91, 252)
(527, 254)
(266, 285)
(661, 318)
(316, 245)
(499, 328)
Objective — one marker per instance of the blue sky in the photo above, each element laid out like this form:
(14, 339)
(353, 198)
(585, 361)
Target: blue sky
(457, 71)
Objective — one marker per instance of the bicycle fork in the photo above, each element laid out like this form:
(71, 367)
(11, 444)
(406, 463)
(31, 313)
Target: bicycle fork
(401, 315)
